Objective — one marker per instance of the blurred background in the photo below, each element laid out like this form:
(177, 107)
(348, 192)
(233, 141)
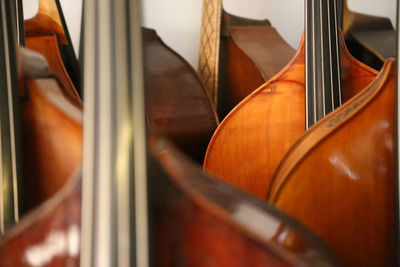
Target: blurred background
(178, 22)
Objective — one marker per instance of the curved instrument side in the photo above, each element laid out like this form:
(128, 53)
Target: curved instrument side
(249, 143)
(250, 56)
(50, 156)
(49, 235)
(177, 103)
(338, 178)
(199, 221)
(370, 39)
(47, 45)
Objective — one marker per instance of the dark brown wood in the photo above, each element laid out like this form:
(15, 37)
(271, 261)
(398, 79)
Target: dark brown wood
(197, 220)
(177, 103)
(252, 52)
(370, 39)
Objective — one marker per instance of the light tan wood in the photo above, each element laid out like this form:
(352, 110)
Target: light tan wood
(338, 178)
(209, 46)
(249, 144)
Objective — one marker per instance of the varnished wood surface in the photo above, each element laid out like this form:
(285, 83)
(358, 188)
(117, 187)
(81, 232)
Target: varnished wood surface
(370, 39)
(47, 20)
(51, 139)
(254, 54)
(248, 145)
(338, 178)
(49, 236)
(49, 23)
(197, 220)
(177, 103)
(47, 45)
(52, 143)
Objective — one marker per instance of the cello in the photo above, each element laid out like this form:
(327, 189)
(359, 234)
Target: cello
(237, 55)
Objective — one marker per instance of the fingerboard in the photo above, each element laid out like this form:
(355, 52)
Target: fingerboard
(322, 59)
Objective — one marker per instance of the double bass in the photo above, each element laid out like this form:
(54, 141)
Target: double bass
(370, 39)
(114, 228)
(178, 106)
(47, 34)
(237, 55)
(253, 147)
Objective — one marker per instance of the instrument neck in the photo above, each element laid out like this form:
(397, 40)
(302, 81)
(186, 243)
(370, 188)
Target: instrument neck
(210, 46)
(322, 59)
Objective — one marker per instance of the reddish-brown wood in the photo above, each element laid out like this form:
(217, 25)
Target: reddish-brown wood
(51, 139)
(46, 44)
(338, 178)
(251, 54)
(52, 144)
(177, 104)
(47, 34)
(197, 220)
(47, 20)
(248, 145)
(49, 236)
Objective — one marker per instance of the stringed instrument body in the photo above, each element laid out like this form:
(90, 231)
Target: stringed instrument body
(177, 103)
(47, 114)
(338, 178)
(370, 39)
(265, 124)
(47, 34)
(237, 55)
(197, 220)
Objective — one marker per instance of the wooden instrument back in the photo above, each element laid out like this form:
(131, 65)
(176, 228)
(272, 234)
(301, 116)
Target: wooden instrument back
(237, 55)
(252, 52)
(370, 39)
(177, 104)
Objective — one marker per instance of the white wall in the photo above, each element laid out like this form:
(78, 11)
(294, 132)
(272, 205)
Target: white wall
(178, 22)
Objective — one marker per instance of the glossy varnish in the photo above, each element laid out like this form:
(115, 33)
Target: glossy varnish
(338, 178)
(249, 144)
(197, 220)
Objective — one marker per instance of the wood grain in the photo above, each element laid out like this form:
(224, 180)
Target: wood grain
(338, 178)
(249, 144)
